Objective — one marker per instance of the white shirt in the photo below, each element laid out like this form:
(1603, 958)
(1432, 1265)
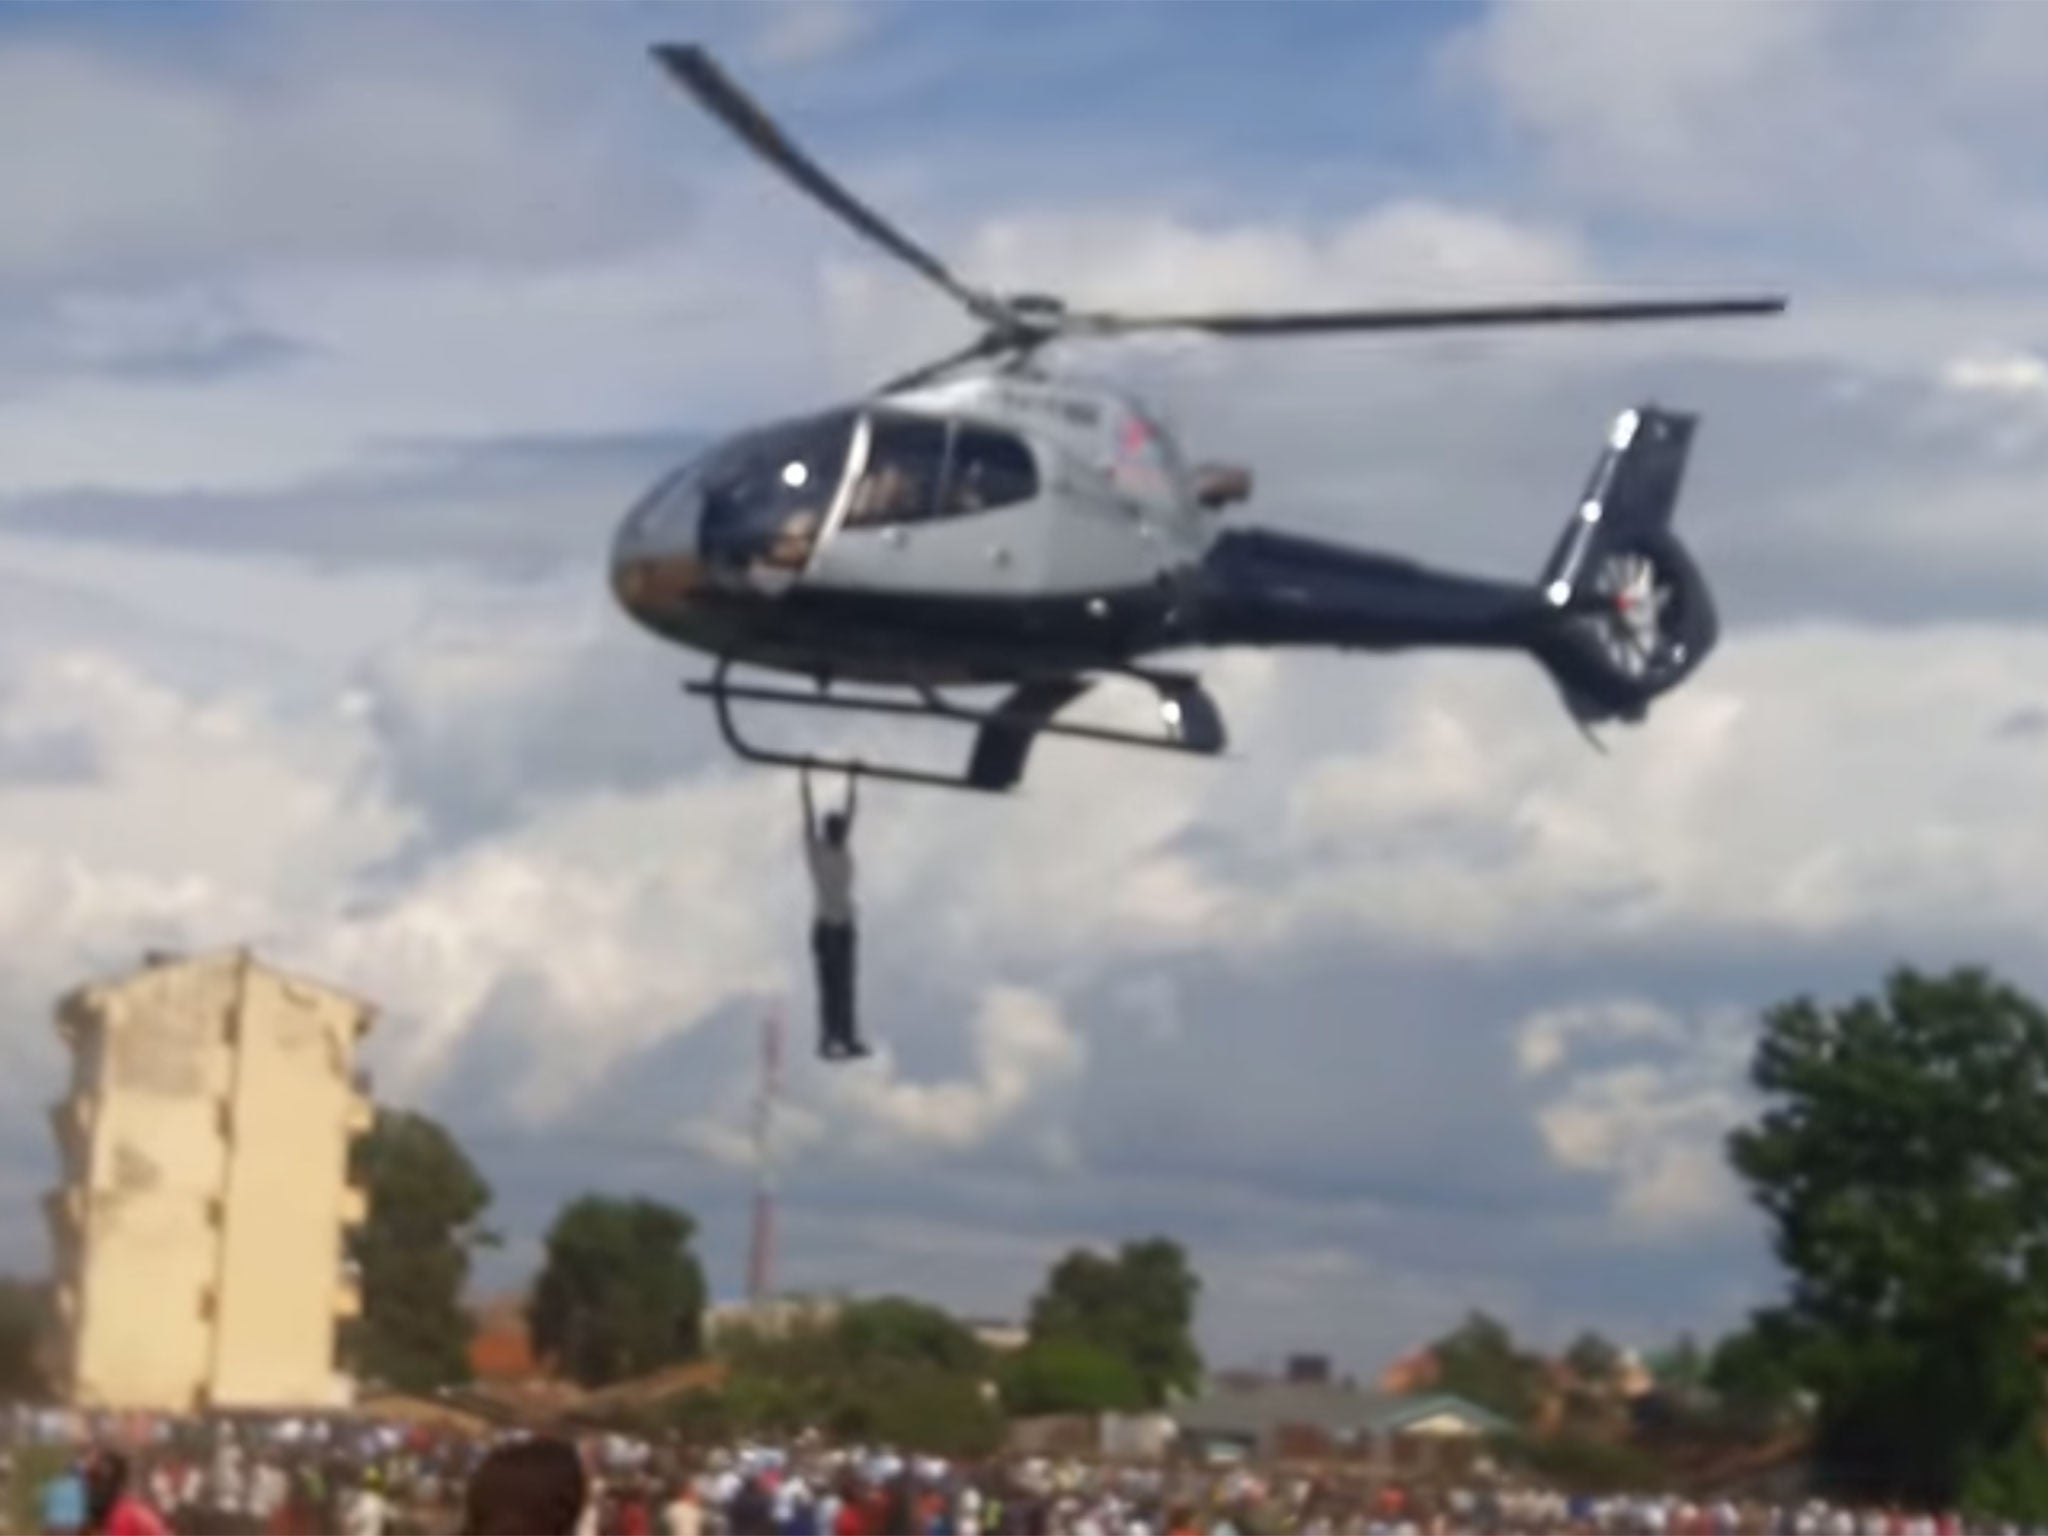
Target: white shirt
(682, 1517)
(268, 1490)
(831, 879)
(366, 1513)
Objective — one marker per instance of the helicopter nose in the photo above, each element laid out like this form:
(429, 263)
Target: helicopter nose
(655, 567)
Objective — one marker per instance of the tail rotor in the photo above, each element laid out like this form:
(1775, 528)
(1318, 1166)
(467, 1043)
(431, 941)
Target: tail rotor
(1634, 614)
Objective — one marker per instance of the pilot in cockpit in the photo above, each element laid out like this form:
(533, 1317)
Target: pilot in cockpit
(797, 530)
(887, 493)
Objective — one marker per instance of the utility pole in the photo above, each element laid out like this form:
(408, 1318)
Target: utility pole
(761, 1252)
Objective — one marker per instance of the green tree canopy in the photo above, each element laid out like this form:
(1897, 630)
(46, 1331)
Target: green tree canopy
(1069, 1376)
(888, 1369)
(413, 1252)
(1480, 1362)
(1593, 1360)
(1137, 1306)
(1755, 1380)
(620, 1293)
(1902, 1159)
(1682, 1367)
(896, 1329)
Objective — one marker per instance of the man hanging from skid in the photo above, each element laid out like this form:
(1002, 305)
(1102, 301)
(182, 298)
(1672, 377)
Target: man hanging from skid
(830, 858)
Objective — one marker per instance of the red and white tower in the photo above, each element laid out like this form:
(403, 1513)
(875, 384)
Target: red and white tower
(761, 1251)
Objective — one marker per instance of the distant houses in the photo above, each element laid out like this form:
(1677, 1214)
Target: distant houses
(1379, 1433)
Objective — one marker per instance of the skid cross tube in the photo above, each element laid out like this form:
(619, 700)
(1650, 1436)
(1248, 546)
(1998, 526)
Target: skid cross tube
(722, 694)
(1000, 722)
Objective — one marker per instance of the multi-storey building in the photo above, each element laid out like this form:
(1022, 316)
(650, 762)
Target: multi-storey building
(200, 1231)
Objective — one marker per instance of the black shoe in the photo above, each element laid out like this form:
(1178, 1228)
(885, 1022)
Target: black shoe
(856, 1050)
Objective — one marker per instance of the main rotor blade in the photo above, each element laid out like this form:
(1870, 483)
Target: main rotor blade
(697, 73)
(980, 347)
(1311, 322)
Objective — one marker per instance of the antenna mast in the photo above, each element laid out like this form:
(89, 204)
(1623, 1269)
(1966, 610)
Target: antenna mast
(761, 1252)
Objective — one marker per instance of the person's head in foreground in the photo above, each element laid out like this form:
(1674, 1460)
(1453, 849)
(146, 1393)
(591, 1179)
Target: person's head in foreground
(531, 1487)
(106, 1479)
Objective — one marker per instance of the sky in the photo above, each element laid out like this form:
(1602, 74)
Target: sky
(335, 340)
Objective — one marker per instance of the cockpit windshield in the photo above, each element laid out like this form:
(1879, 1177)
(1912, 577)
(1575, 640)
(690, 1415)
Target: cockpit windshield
(766, 494)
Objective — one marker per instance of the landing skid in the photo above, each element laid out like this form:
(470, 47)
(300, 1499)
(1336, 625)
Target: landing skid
(1003, 736)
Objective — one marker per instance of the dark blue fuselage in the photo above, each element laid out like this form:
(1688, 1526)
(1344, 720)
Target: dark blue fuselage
(1253, 588)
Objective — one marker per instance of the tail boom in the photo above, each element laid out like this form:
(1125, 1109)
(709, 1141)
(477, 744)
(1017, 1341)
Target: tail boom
(1618, 615)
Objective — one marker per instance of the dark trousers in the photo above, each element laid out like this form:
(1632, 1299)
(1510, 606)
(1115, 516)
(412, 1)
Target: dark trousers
(832, 947)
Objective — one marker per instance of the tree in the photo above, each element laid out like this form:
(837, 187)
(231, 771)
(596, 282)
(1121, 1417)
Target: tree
(1137, 1307)
(889, 1370)
(1480, 1362)
(1593, 1361)
(24, 1336)
(620, 1293)
(413, 1252)
(1902, 1159)
(1681, 1368)
(898, 1330)
(1754, 1381)
(1069, 1376)
(1593, 1406)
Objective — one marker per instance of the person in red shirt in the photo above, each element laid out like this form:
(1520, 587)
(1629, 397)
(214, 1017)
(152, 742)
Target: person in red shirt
(109, 1508)
(852, 1519)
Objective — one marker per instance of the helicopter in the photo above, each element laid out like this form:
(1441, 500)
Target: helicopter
(987, 521)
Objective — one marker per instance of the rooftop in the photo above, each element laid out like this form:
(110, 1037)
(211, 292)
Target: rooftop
(1254, 1412)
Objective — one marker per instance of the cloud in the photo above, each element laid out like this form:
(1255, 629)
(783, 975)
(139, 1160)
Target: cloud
(2027, 723)
(174, 336)
(809, 32)
(1653, 1125)
(1021, 1047)
(1732, 809)
(1545, 1039)
(1997, 373)
(1791, 120)
(391, 362)
(344, 138)
(490, 712)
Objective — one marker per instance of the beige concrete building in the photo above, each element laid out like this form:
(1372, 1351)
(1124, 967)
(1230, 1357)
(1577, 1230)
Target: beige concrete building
(199, 1233)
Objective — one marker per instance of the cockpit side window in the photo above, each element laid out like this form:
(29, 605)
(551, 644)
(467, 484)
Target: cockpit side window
(775, 484)
(990, 469)
(906, 461)
(660, 503)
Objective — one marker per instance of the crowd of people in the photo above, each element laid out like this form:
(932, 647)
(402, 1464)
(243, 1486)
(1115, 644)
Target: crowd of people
(298, 1477)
